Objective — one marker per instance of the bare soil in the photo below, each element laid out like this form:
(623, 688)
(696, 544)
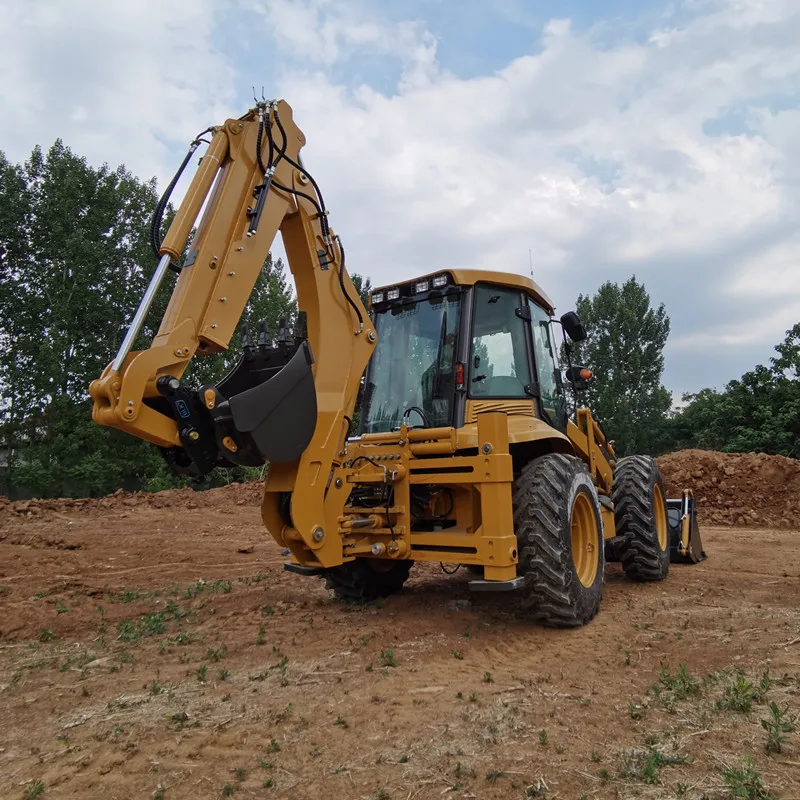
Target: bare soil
(152, 646)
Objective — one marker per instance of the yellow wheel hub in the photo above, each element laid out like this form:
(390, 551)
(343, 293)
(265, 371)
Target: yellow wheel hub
(585, 549)
(660, 511)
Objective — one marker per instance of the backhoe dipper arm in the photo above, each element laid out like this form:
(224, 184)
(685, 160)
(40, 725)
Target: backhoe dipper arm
(289, 401)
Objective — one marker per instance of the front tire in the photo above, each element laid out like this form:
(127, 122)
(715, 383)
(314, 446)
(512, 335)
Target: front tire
(640, 518)
(560, 541)
(366, 579)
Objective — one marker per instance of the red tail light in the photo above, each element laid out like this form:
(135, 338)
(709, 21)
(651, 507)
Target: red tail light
(459, 376)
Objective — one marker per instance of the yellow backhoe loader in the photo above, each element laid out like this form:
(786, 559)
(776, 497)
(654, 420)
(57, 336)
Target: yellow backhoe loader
(467, 452)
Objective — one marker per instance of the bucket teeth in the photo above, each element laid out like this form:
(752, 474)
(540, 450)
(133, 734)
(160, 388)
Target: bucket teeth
(247, 344)
(284, 336)
(264, 342)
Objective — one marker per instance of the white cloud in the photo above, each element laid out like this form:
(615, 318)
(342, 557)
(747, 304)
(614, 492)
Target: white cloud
(673, 155)
(119, 82)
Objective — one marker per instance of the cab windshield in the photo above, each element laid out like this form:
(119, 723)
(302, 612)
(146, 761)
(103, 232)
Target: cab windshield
(411, 376)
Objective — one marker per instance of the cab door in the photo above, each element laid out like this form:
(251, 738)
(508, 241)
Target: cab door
(545, 356)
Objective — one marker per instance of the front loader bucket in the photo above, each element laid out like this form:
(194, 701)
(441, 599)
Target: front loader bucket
(685, 545)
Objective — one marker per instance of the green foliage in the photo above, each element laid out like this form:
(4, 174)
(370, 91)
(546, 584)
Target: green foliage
(624, 349)
(645, 765)
(738, 694)
(74, 262)
(760, 412)
(746, 782)
(777, 725)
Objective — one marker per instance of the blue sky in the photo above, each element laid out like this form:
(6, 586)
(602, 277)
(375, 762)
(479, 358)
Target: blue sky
(610, 138)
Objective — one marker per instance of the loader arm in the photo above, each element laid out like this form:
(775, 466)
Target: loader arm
(288, 401)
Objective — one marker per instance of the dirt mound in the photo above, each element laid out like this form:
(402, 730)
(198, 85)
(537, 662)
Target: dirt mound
(750, 489)
(235, 494)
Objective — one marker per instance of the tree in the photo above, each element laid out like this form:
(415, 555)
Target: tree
(363, 287)
(760, 412)
(625, 351)
(74, 263)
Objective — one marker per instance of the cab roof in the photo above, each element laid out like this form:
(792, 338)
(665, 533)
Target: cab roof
(469, 277)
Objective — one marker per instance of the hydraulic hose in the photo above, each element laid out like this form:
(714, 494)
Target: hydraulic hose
(158, 214)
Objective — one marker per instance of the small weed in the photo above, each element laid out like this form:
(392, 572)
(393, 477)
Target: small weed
(635, 711)
(241, 774)
(777, 725)
(675, 688)
(473, 698)
(627, 658)
(738, 695)
(388, 658)
(381, 794)
(493, 775)
(543, 738)
(202, 671)
(155, 687)
(267, 611)
(466, 634)
(34, 790)
(487, 677)
(458, 655)
(274, 746)
(368, 668)
(160, 792)
(595, 757)
(216, 654)
(46, 635)
(154, 624)
(208, 587)
(227, 790)
(269, 783)
(179, 719)
(644, 765)
(262, 632)
(223, 674)
(341, 722)
(60, 607)
(764, 685)
(404, 759)
(285, 714)
(745, 781)
(605, 775)
(264, 764)
(538, 789)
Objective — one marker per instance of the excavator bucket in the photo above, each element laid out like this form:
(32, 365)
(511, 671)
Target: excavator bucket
(265, 409)
(684, 533)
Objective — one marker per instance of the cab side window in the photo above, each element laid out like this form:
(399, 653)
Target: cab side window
(498, 361)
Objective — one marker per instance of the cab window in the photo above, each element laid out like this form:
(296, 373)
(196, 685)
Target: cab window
(499, 359)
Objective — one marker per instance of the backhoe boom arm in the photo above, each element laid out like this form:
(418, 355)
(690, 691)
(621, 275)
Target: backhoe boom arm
(287, 401)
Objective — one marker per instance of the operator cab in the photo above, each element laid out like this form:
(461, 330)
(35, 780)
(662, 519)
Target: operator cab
(456, 336)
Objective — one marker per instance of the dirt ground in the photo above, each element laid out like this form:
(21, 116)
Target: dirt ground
(162, 652)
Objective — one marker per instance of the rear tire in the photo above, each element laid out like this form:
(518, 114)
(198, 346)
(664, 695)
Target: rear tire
(640, 517)
(367, 579)
(560, 541)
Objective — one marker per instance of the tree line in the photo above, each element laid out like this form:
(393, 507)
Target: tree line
(759, 412)
(75, 260)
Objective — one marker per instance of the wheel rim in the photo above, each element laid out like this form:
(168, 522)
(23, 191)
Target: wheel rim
(659, 509)
(585, 552)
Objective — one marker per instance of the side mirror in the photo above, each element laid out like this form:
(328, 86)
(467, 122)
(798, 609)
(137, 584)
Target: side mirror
(578, 377)
(572, 324)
